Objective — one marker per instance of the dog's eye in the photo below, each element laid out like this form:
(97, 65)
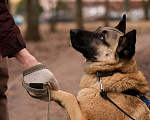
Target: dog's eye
(102, 38)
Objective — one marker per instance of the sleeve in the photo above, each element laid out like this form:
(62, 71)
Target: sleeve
(11, 40)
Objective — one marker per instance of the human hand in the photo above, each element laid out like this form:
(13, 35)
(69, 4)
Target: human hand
(36, 79)
(36, 76)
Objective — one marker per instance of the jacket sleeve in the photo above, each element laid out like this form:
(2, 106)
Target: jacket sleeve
(11, 40)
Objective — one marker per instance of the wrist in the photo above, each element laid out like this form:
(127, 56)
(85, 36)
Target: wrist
(25, 59)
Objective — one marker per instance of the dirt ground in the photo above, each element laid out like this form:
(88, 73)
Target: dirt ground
(55, 52)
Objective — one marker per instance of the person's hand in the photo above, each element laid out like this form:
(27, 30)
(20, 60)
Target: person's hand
(36, 76)
(36, 81)
(40, 74)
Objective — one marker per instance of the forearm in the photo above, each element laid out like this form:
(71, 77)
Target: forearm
(25, 59)
(11, 40)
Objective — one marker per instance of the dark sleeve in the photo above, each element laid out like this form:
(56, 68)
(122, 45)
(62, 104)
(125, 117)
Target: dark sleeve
(11, 40)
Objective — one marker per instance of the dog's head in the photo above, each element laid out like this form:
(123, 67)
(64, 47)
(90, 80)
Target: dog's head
(106, 44)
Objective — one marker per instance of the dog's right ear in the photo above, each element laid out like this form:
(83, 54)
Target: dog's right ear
(126, 46)
(122, 24)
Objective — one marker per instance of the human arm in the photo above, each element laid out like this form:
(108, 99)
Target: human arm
(25, 59)
(12, 44)
(35, 72)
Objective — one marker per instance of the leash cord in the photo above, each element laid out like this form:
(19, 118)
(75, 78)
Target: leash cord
(49, 100)
(104, 95)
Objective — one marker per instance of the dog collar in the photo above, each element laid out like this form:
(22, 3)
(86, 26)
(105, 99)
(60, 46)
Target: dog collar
(107, 73)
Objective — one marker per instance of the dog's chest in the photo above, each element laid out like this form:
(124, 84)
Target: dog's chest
(94, 107)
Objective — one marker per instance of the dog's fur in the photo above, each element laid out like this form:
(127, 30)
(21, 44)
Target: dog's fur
(106, 49)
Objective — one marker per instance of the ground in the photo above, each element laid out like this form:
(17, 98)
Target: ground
(56, 53)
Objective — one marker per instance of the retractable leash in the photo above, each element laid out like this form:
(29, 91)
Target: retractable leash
(49, 101)
(39, 91)
(104, 95)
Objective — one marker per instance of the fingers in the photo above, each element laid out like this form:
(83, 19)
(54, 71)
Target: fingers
(40, 74)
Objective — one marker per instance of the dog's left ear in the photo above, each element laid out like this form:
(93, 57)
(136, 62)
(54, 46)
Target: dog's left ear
(122, 24)
(126, 46)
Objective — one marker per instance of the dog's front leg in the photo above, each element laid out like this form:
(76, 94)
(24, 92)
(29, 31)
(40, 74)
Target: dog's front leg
(68, 102)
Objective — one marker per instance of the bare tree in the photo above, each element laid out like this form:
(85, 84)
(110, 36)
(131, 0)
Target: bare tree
(106, 19)
(126, 5)
(32, 32)
(146, 5)
(53, 20)
(60, 7)
(79, 16)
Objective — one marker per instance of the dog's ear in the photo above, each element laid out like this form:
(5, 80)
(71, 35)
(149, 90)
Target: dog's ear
(126, 46)
(122, 24)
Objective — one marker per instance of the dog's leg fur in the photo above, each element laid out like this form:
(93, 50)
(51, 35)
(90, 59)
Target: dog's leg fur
(69, 103)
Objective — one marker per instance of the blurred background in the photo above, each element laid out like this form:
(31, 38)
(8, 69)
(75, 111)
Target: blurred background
(45, 25)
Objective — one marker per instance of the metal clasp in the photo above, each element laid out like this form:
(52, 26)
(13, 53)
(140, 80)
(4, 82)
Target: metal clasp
(101, 84)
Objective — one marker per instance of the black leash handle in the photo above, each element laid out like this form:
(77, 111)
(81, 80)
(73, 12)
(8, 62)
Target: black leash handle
(104, 95)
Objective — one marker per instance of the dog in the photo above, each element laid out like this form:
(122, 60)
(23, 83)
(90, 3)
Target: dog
(110, 72)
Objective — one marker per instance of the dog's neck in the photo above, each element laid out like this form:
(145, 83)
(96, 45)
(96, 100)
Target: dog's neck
(118, 82)
(107, 73)
(123, 66)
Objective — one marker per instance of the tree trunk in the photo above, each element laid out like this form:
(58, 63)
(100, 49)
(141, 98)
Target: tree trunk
(126, 5)
(146, 5)
(79, 16)
(32, 33)
(53, 23)
(53, 20)
(106, 22)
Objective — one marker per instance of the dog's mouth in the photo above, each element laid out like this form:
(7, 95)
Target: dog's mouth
(80, 41)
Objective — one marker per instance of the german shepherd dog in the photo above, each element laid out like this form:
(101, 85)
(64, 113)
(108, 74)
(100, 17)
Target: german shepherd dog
(109, 54)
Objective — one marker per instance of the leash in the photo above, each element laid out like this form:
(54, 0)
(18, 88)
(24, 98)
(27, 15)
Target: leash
(39, 91)
(104, 95)
(49, 101)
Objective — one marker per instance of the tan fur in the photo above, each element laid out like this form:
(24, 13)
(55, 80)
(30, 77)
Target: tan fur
(93, 107)
(89, 105)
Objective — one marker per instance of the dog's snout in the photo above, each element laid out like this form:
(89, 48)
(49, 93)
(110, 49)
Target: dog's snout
(73, 32)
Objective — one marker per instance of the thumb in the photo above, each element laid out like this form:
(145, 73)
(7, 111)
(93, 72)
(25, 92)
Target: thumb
(54, 83)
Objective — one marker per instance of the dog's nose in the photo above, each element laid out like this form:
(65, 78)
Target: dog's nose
(73, 32)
